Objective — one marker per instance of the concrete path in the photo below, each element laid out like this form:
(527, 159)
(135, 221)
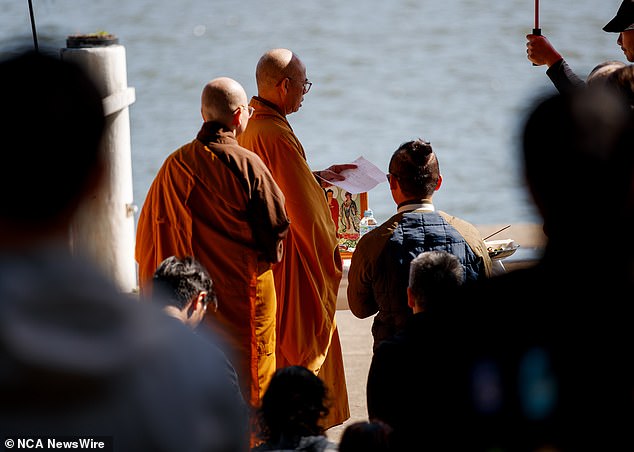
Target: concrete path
(356, 342)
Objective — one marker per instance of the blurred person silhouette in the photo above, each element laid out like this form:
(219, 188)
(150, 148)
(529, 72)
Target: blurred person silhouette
(395, 370)
(545, 360)
(186, 287)
(307, 279)
(379, 269)
(216, 201)
(602, 70)
(540, 51)
(621, 81)
(292, 412)
(77, 356)
(366, 436)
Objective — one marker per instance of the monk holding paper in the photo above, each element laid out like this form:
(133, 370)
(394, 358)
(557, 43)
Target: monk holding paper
(307, 279)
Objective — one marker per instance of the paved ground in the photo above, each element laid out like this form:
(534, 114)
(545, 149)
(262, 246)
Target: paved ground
(356, 338)
(356, 342)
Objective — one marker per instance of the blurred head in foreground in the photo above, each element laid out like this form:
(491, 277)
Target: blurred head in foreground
(573, 148)
(51, 121)
(292, 407)
(366, 436)
(602, 70)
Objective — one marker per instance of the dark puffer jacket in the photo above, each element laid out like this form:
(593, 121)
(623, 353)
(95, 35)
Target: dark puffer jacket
(379, 272)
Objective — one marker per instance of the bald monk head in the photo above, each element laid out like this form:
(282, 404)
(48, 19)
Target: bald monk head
(224, 101)
(281, 79)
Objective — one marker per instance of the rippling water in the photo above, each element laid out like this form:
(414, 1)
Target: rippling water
(453, 72)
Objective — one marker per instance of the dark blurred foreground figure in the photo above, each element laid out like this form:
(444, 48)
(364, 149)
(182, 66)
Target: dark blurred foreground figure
(77, 357)
(366, 436)
(602, 71)
(541, 358)
(293, 410)
(621, 81)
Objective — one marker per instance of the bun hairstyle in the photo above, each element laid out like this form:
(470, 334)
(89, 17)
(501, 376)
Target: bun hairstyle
(421, 147)
(415, 166)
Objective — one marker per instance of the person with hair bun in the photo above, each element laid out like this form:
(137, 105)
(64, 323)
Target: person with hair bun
(379, 269)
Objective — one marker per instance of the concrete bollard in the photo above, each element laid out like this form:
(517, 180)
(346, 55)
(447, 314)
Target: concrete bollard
(104, 226)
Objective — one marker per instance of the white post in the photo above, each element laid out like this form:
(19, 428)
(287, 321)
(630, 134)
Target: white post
(104, 226)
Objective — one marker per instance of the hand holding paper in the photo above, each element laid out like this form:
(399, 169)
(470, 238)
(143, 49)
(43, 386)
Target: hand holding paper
(356, 177)
(333, 173)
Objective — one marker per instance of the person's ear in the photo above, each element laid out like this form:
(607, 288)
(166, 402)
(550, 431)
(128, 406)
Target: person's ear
(410, 298)
(439, 183)
(236, 120)
(197, 307)
(284, 85)
(199, 302)
(393, 182)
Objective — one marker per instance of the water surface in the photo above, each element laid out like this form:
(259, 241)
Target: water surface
(453, 72)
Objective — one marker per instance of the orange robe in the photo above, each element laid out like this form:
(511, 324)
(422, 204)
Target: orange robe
(218, 202)
(307, 279)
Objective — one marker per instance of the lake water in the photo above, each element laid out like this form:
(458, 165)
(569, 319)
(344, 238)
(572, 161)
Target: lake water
(453, 72)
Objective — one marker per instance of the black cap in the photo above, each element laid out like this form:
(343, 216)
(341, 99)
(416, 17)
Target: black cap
(624, 19)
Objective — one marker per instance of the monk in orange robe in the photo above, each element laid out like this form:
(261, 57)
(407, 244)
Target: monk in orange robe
(218, 202)
(307, 279)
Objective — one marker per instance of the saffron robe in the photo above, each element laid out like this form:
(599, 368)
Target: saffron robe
(218, 202)
(307, 279)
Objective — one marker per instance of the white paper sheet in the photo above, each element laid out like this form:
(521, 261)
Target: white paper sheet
(361, 179)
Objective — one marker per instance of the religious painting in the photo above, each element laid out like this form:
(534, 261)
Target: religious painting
(346, 210)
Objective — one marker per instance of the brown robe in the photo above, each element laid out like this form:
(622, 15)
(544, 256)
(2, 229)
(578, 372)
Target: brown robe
(217, 201)
(307, 279)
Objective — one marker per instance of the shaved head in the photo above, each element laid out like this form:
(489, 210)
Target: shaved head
(274, 67)
(220, 98)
